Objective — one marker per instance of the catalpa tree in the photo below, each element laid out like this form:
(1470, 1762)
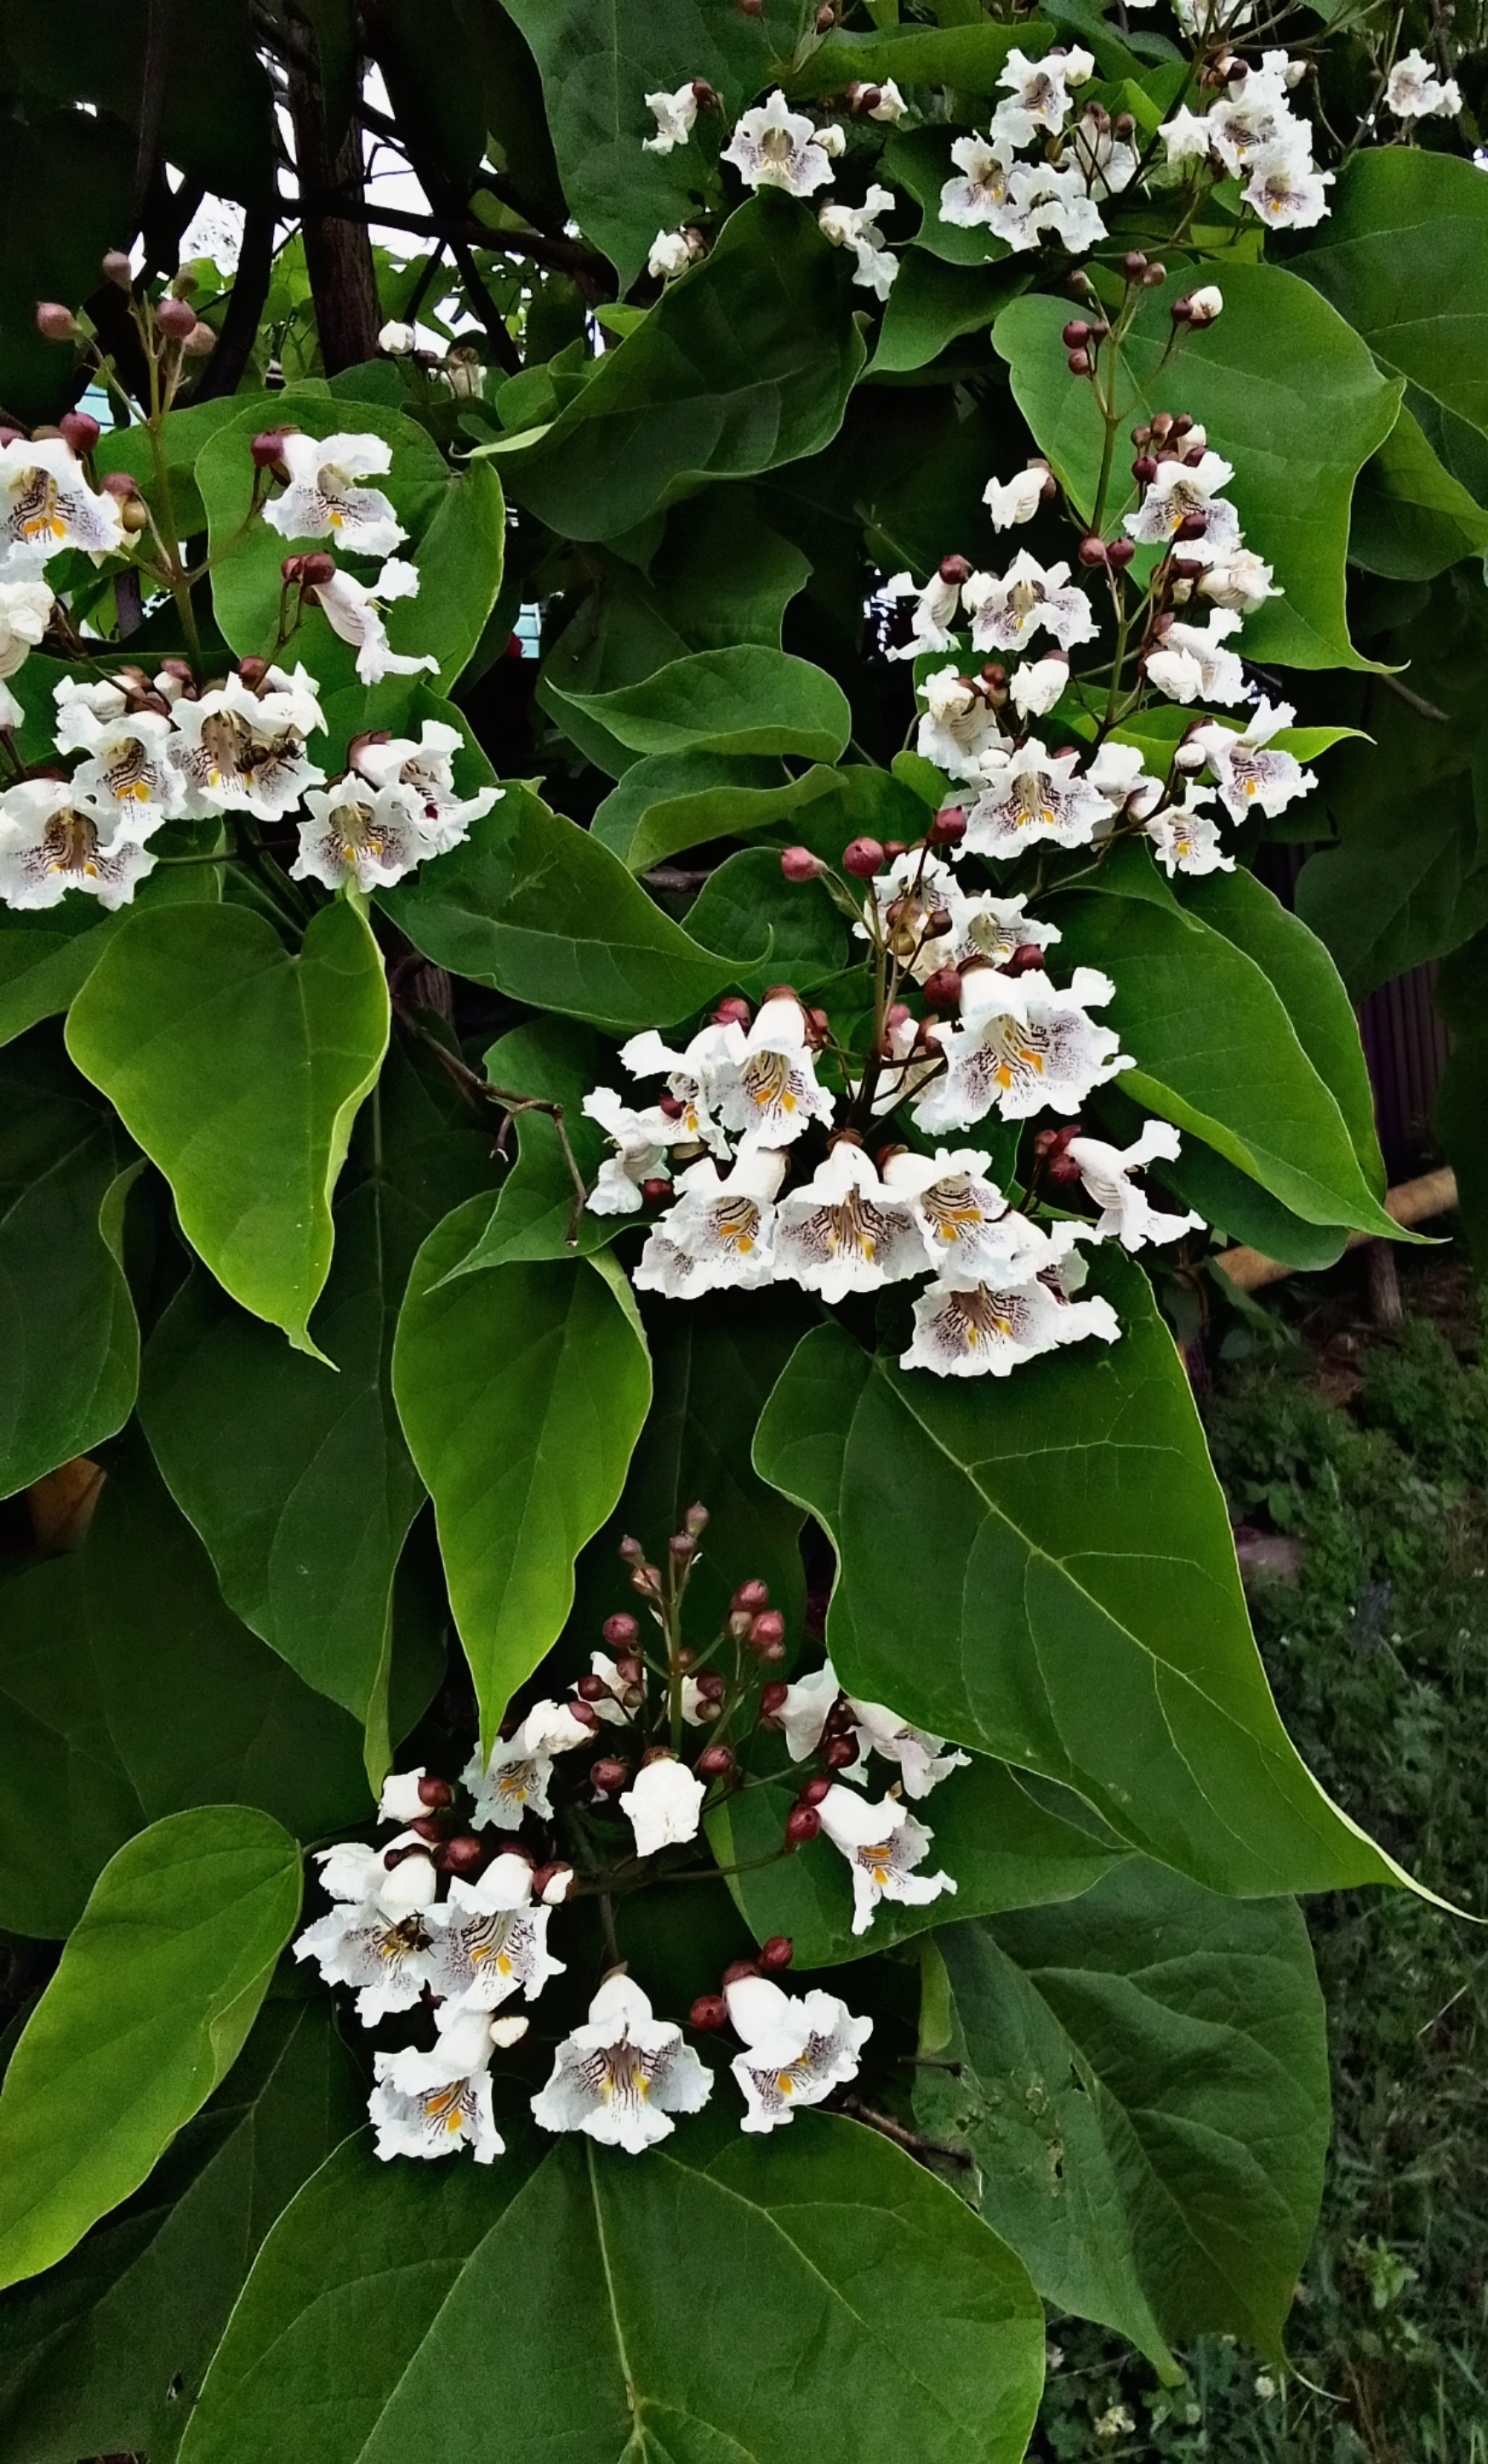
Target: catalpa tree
(639, 1811)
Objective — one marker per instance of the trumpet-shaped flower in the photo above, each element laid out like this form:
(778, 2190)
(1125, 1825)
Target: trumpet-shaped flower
(1038, 682)
(25, 610)
(1014, 501)
(1033, 795)
(965, 1329)
(46, 505)
(959, 731)
(129, 769)
(1029, 599)
(798, 2047)
(775, 147)
(623, 2075)
(54, 838)
(693, 1080)
(244, 752)
(1021, 1048)
(1189, 491)
(767, 1079)
(857, 228)
(425, 768)
(1055, 197)
(803, 1713)
(1117, 776)
(519, 1769)
(1254, 773)
(369, 835)
(1191, 663)
(325, 498)
(376, 1938)
(1126, 1211)
(676, 116)
(1286, 189)
(488, 1941)
(932, 620)
(1415, 92)
(663, 1805)
(882, 1843)
(354, 610)
(1186, 838)
(1241, 581)
(922, 1760)
(965, 1226)
(640, 1142)
(845, 1230)
(982, 195)
(430, 2103)
(720, 1232)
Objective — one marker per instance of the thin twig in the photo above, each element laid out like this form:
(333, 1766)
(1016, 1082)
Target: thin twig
(925, 2151)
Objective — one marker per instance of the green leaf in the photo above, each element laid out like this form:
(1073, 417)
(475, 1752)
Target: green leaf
(455, 521)
(1287, 394)
(1403, 257)
(156, 1990)
(298, 1478)
(672, 801)
(971, 59)
(1141, 2078)
(1230, 1203)
(46, 957)
(1067, 1598)
(130, 1691)
(744, 363)
(106, 2352)
(522, 1393)
(207, 998)
(933, 304)
(743, 700)
(879, 2317)
(1213, 1045)
(69, 1343)
(535, 907)
(1411, 518)
(789, 930)
(1005, 1849)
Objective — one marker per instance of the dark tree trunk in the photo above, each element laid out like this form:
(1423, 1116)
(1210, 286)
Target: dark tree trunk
(338, 251)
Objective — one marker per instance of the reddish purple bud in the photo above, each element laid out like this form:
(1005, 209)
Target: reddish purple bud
(803, 1822)
(609, 1776)
(862, 858)
(426, 1828)
(752, 1596)
(816, 1789)
(840, 1751)
(1119, 552)
(772, 1698)
(1091, 549)
(653, 1189)
(583, 1712)
(80, 432)
(737, 1970)
(1192, 526)
(1076, 334)
(462, 1853)
(766, 1629)
(778, 1952)
(56, 323)
(115, 267)
(620, 1631)
(592, 1689)
(1079, 363)
(710, 2011)
(798, 863)
(954, 568)
(316, 567)
(1064, 1167)
(1134, 265)
(942, 989)
(174, 318)
(1027, 955)
(948, 827)
(732, 1011)
(545, 1876)
(715, 1762)
(711, 1687)
(434, 1792)
(267, 449)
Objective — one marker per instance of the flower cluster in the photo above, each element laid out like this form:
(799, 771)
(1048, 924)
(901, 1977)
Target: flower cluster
(1034, 176)
(443, 1918)
(1251, 133)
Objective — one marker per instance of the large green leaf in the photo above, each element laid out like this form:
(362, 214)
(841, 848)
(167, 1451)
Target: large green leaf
(1141, 2078)
(1005, 1849)
(199, 1001)
(534, 906)
(106, 2352)
(1215, 1047)
(521, 1391)
(156, 1990)
(538, 1211)
(130, 1691)
(1403, 257)
(46, 957)
(69, 1344)
(776, 931)
(971, 56)
(686, 2307)
(933, 304)
(744, 363)
(1289, 395)
(1411, 516)
(749, 700)
(295, 1477)
(1042, 1569)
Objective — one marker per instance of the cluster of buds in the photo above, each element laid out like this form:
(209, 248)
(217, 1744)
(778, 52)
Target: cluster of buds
(710, 2011)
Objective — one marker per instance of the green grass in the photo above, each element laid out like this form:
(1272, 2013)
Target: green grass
(1372, 1450)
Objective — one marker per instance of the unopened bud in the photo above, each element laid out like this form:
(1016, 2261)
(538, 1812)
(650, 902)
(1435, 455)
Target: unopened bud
(174, 318)
(948, 827)
(1154, 278)
(115, 267)
(715, 1762)
(954, 568)
(1145, 469)
(592, 1689)
(711, 1687)
(840, 1751)
(608, 1776)
(653, 1189)
(772, 1698)
(1076, 334)
(1193, 526)
(1119, 552)
(942, 989)
(1134, 265)
(628, 1669)
(798, 863)
(803, 1822)
(79, 431)
(1091, 549)
(632, 1553)
(1027, 955)
(816, 1788)
(200, 343)
(267, 449)
(767, 1629)
(1064, 1167)
(737, 1970)
(1079, 363)
(682, 1547)
(583, 1712)
(778, 1952)
(55, 323)
(710, 2011)
(433, 1791)
(620, 1631)
(862, 858)
(696, 1521)
(462, 1853)
(316, 567)
(552, 1884)
(732, 1011)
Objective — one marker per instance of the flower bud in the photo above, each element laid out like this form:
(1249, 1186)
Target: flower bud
(316, 566)
(1026, 956)
(115, 267)
(462, 1853)
(1091, 549)
(772, 1698)
(434, 1792)
(397, 340)
(1192, 526)
(55, 323)
(715, 1762)
(862, 858)
(710, 2011)
(267, 450)
(174, 318)
(608, 1775)
(628, 1669)
(1134, 265)
(1079, 363)
(647, 1580)
(942, 989)
(816, 1788)
(778, 1952)
(592, 1689)
(954, 568)
(1145, 469)
(653, 1189)
(1076, 334)
(201, 341)
(737, 1970)
(1064, 1167)
(80, 432)
(1123, 125)
(768, 1627)
(803, 1822)
(682, 1547)
(552, 1883)
(840, 1751)
(732, 1011)
(948, 826)
(583, 1712)
(620, 1631)
(632, 1552)
(1154, 278)
(1119, 552)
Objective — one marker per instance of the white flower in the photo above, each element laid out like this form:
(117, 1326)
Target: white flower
(1286, 189)
(429, 2104)
(103, 700)
(844, 1230)
(425, 768)
(1241, 581)
(53, 839)
(890, 105)
(353, 609)
(1038, 682)
(1021, 1047)
(932, 620)
(922, 1758)
(1029, 599)
(1048, 197)
(775, 147)
(964, 1223)
(400, 1800)
(1116, 774)
(1250, 115)
(1124, 1210)
(884, 1843)
(641, 1141)
(676, 117)
(1414, 91)
(611, 1706)
(960, 728)
(324, 500)
(799, 2047)
(965, 1329)
(1016, 499)
(1033, 795)
(398, 341)
(1186, 838)
(1254, 773)
(984, 193)
(1205, 304)
(803, 1714)
(487, 1941)
(1187, 136)
(1191, 663)
(1038, 92)
(1182, 492)
(693, 1079)
(128, 767)
(369, 835)
(672, 252)
(979, 926)
(720, 1232)
(376, 1938)
(520, 1767)
(1104, 163)
(856, 226)
(664, 1805)
(25, 609)
(46, 505)
(623, 2075)
(244, 752)
(767, 1079)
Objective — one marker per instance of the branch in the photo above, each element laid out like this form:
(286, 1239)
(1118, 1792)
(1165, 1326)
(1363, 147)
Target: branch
(925, 2151)
(563, 256)
(245, 307)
